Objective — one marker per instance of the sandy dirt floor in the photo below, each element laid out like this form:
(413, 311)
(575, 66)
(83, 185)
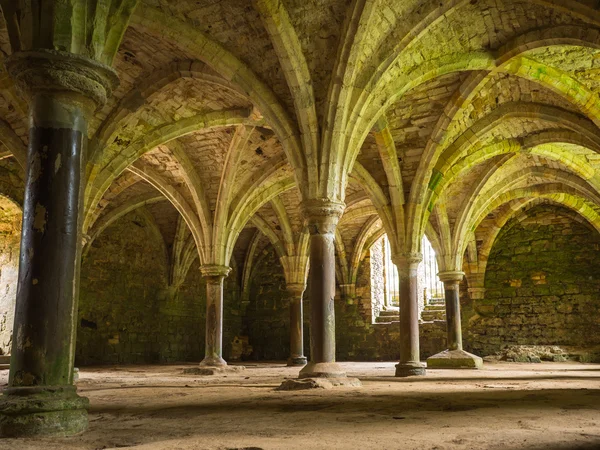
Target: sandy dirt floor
(505, 406)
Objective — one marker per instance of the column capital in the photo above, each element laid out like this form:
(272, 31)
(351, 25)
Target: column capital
(295, 289)
(61, 73)
(322, 215)
(214, 272)
(407, 259)
(451, 276)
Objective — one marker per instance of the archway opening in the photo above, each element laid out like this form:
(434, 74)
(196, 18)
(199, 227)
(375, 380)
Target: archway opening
(385, 283)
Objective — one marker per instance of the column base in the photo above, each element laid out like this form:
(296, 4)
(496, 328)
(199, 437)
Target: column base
(212, 365)
(213, 361)
(297, 361)
(322, 370)
(42, 411)
(410, 369)
(454, 359)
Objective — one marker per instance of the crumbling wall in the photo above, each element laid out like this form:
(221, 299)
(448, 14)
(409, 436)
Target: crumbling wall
(542, 285)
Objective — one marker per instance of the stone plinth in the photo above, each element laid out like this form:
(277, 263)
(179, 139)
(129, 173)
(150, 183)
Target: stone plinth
(454, 359)
(318, 383)
(410, 369)
(221, 370)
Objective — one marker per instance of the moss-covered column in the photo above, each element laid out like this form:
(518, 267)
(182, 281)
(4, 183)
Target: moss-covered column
(454, 357)
(322, 217)
(410, 363)
(214, 276)
(297, 357)
(63, 90)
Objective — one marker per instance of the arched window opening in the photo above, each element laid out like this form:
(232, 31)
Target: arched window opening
(385, 283)
(433, 291)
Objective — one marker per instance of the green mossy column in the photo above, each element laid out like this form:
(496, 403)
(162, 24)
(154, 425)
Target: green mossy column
(297, 357)
(410, 363)
(322, 217)
(63, 90)
(454, 357)
(214, 276)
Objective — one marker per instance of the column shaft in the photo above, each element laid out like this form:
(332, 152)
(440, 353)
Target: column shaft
(297, 357)
(46, 308)
(322, 217)
(410, 363)
(214, 323)
(451, 290)
(322, 293)
(454, 357)
(214, 276)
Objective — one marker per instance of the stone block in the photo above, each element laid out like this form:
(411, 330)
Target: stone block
(454, 359)
(208, 371)
(318, 383)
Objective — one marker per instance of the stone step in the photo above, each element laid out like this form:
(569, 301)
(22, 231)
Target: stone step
(388, 313)
(435, 307)
(433, 315)
(387, 319)
(4, 359)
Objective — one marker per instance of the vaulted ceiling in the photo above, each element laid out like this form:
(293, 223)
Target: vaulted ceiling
(444, 118)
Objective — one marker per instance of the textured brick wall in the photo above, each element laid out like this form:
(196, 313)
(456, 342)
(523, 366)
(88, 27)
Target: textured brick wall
(127, 314)
(267, 319)
(542, 285)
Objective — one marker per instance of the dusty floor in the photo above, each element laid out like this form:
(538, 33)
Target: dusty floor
(505, 406)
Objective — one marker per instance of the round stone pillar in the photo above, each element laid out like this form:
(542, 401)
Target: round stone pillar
(322, 217)
(62, 90)
(454, 357)
(297, 357)
(410, 363)
(451, 282)
(213, 276)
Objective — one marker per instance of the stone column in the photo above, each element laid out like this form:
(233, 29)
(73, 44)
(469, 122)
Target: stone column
(454, 357)
(451, 282)
(410, 363)
(322, 217)
(214, 276)
(297, 357)
(62, 90)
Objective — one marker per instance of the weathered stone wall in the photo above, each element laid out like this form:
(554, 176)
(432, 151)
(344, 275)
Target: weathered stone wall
(542, 285)
(127, 313)
(267, 316)
(378, 288)
(266, 319)
(358, 338)
(542, 288)
(10, 239)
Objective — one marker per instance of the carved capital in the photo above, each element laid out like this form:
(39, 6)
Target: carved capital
(214, 273)
(451, 277)
(295, 289)
(61, 73)
(322, 215)
(408, 260)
